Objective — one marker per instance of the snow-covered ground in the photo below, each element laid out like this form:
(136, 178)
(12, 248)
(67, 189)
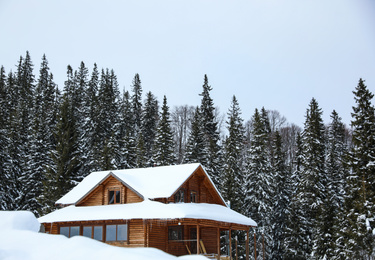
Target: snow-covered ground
(19, 239)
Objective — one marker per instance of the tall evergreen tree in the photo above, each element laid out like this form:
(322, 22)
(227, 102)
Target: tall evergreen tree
(360, 198)
(211, 134)
(234, 159)
(163, 148)
(195, 148)
(128, 140)
(62, 173)
(281, 199)
(295, 234)
(89, 138)
(150, 118)
(336, 175)
(136, 101)
(259, 181)
(312, 186)
(42, 141)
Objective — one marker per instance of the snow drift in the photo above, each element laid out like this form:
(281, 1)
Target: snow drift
(19, 239)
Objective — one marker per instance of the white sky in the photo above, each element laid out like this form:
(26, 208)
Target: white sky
(272, 53)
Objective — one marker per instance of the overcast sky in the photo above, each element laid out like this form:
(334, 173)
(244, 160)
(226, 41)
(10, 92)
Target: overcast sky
(273, 53)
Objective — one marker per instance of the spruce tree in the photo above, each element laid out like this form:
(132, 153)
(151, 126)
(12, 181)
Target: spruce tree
(211, 135)
(259, 181)
(163, 148)
(233, 158)
(128, 141)
(312, 186)
(150, 118)
(136, 101)
(360, 197)
(62, 173)
(336, 176)
(281, 199)
(195, 148)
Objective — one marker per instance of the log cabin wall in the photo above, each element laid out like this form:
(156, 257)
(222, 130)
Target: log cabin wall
(209, 238)
(99, 196)
(205, 191)
(136, 233)
(158, 235)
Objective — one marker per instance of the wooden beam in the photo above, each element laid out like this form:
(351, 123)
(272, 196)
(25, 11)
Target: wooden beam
(218, 243)
(198, 239)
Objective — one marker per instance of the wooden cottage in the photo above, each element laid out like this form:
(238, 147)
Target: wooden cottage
(173, 208)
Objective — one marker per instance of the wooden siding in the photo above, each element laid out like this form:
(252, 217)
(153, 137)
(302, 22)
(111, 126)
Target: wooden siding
(158, 235)
(136, 233)
(99, 196)
(199, 183)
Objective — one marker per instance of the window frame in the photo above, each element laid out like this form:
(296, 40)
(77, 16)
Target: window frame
(117, 232)
(116, 196)
(193, 194)
(180, 233)
(178, 198)
(70, 230)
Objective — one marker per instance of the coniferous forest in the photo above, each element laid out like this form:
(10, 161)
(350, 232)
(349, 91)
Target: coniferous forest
(311, 189)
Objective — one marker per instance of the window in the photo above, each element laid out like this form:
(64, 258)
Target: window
(98, 233)
(117, 232)
(70, 231)
(175, 233)
(114, 196)
(95, 232)
(193, 196)
(179, 197)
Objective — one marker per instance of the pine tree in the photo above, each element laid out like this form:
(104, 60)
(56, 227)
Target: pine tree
(62, 173)
(150, 118)
(336, 176)
(128, 140)
(211, 134)
(163, 148)
(195, 148)
(23, 125)
(89, 136)
(108, 127)
(233, 156)
(136, 101)
(259, 181)
(281, 199)
(361, 187)
(295, 234)
(42, 141)
(312, 186)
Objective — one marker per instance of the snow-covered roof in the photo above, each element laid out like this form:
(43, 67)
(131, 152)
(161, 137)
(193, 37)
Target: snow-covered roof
(153, 182)
(148, 210)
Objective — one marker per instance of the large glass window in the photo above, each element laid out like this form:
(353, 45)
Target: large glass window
(114, 197)
(122, 232)
(64, 231)
(111, 233)
(117, 232)
(175, 233)
(87, 232)
(70, 231)
(98, 233)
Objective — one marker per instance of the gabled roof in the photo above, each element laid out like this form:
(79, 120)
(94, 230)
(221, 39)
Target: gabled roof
(148, 210)
(152, 183)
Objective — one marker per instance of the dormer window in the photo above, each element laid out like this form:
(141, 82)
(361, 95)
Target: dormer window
(114, 196)
(193, 196)
(180, 196)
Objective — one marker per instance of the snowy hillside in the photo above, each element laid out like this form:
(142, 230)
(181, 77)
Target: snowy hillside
(20, 240)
